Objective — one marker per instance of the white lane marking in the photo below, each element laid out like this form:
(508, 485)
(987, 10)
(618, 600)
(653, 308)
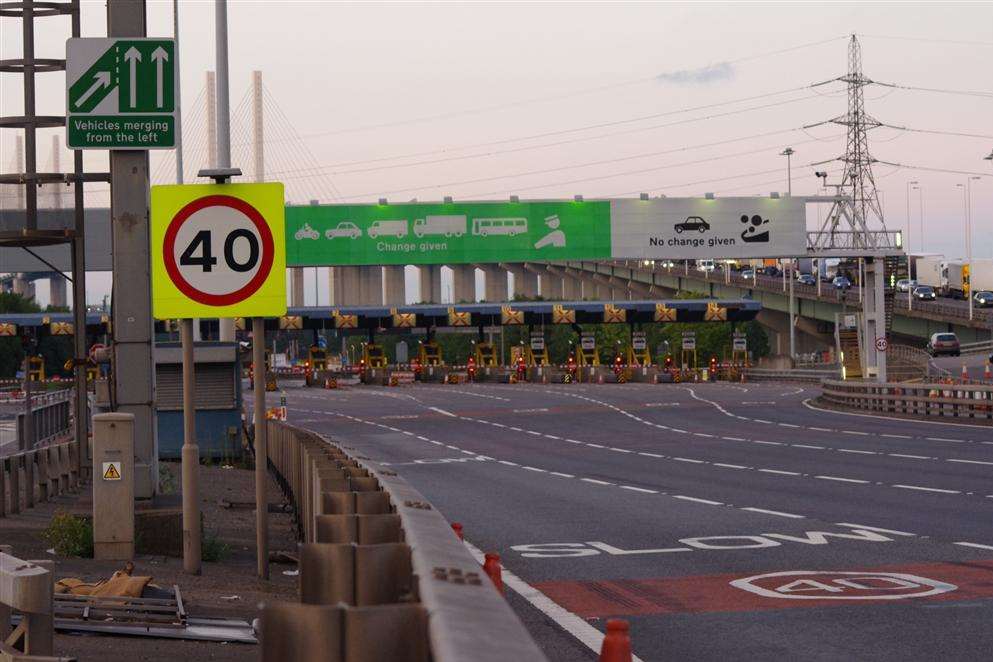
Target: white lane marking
(527, 468)
(761, 420)
(876, 528)
(811, 427)
(537, 434)
(816, 448)
(910, 457)
(443, 412)
(595, 481)
(768, 443)
(703, 434)
(638, 489)
(856, 451)
(574, 625)
(789, 425)
(552, 436)
(956, 441)
(530, 411)
(781, 472)
(620, 450)
(733, 438)
(973, 544)
(508, 463)
(696, 500)
(774, 512)
(729, 466)
(952, 459)
(927, 489)
(560, 474)
(896, 436)
(400, 417)
(864, 434)
(843, 480)
(687, 459)
(591, 445)
(653, 455)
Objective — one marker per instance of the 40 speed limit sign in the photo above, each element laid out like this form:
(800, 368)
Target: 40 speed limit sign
(218, 250)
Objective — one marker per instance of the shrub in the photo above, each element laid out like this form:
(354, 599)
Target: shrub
(70, 535)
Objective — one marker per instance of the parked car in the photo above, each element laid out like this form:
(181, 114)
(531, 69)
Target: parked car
(806, 279)
(943, 343)
(344, 229)
(841, 283)
(925, 293)
(748, 274)
(692, 223)
(905, 285)
(771, 271)
(983, 299)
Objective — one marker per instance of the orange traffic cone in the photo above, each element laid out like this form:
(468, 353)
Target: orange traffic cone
(491, 566)
(986, 373)
(616, 643)
(965, 374)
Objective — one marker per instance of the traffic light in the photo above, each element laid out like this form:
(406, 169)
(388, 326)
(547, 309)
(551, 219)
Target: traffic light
(713, 366)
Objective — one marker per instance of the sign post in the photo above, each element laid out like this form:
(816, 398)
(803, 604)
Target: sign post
(121, 93)
(219, 251)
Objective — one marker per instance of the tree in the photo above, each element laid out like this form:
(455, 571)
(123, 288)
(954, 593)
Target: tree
(12, 349)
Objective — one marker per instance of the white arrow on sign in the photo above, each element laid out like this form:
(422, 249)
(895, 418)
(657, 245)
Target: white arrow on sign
(160, 56)
(133, 57)
(102, 80)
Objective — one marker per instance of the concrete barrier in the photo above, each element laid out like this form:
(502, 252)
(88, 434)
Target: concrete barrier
(382, 574)
(26, 587)
(38, 474)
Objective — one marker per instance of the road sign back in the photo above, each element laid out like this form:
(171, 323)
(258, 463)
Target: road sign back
(120, 93)
(218, 250)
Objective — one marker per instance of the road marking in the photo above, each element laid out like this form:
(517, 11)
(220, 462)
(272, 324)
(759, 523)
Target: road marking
(560, 474)
(729, 466)
(638, 489)
(508, 463)
(970, 461)
(443, 412)
(973, 544)
(817, 448)
(568, 621)
(527, 468)
(843, 480)
(686, 459)
(696, 500)
(651, 454)
(789, 425)
(537, 434)
(811, 427)
(856, 451)
(911, 457)
(530, 411)
(927, 489)
(780, 472)
(620, 450)
(957, 441)
(768, 443)
(875, 528)
(594, 445)
(704, 434)
(896, 436)
(864, 434)
(774, 512)
(595, 481)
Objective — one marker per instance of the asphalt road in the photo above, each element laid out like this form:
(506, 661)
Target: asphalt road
(671, 505)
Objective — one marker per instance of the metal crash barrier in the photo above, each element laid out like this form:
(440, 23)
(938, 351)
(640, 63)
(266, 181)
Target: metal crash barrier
(973, 402)
(382, 574)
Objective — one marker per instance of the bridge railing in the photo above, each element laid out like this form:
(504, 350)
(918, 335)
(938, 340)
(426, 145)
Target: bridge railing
(972, 402)
(984, 347)
(791, 375)
(382, 574)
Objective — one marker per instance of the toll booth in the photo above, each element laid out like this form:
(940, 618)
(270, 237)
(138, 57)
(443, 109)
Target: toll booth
(536, 353)
(217, 399)
(317, 362)
(638, 354)
(486, 356)
(373, 355)
(429, 354)
(36, 368)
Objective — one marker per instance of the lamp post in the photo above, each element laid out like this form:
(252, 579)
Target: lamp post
(910, 292)
(968, 235)
(788, 153)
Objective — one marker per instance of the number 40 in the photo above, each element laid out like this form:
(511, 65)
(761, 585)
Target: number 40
(205, 260)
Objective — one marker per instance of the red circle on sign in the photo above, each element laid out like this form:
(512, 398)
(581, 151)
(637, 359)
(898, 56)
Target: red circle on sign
(251, 287)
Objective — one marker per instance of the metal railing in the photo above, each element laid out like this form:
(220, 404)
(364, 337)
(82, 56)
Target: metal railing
(983, 347)
(52, 419)
(382, 574)
(791, 375)
(972, 402)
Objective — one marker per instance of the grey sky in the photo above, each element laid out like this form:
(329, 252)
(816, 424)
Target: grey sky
(334, 69)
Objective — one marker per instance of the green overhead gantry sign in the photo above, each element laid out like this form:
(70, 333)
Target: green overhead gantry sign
(488, 232)
(120, 93)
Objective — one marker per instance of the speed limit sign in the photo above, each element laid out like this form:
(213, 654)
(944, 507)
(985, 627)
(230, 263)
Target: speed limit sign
(218, 250)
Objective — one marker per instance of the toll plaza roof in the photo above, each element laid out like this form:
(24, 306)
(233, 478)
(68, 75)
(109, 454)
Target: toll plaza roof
(522, 312)
(96, 322)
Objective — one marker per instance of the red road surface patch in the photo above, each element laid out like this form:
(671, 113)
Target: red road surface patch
(714, 593)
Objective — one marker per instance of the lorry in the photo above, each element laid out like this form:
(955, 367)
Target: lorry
(930, 271)
(966, 278)
(440, 225)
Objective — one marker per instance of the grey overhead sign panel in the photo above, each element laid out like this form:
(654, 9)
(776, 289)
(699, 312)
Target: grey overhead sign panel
(692, 228)
(97, 241)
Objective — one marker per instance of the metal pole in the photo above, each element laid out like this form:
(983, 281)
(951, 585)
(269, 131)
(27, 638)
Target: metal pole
(192, 556)
(226, 325)
(261, 448)
(134, 366)
(78, 247)
(30, 130)
(27, 443)
(967, 192)
(792, 313)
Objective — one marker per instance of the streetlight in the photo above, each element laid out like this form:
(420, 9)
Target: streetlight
(920, 200)
(788, 152)
(968, 235)
(909, 184)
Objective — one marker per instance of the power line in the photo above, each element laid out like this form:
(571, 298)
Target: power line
(937, 132)
(931, 40)
(927, 169)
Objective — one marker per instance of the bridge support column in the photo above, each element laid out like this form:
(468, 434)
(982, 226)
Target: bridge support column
(551, 285)
(495, 283)
(371, 286)
(395, 279)
(873, 318)
(430, 281)
(57, 289)
(463, 283)
(296, 286)
(572, 289)
(346, 286)
(525, 281)
(23, 286)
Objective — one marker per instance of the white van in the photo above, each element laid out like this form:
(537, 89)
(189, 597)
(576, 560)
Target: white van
(396, 229)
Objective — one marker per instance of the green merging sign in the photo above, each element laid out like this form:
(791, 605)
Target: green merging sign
(120, 93)
(447, 233)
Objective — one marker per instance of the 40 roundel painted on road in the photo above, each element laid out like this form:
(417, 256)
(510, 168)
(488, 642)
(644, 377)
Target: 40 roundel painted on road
(218, 250)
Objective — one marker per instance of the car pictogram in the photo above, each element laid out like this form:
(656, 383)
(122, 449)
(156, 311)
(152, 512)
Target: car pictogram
(345, 229)
(692, 223)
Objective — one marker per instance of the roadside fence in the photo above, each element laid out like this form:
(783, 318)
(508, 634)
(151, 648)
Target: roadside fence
(971, 402)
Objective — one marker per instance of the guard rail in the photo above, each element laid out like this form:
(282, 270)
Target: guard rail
(984, 347)
(382, 574)
(37, 474)
(769, 374)
(972, 402)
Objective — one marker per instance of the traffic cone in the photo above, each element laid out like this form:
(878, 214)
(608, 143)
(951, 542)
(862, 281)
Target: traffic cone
(965, 374)
(986, 373)
(616, 645)
(491, 566)
(457, 528)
